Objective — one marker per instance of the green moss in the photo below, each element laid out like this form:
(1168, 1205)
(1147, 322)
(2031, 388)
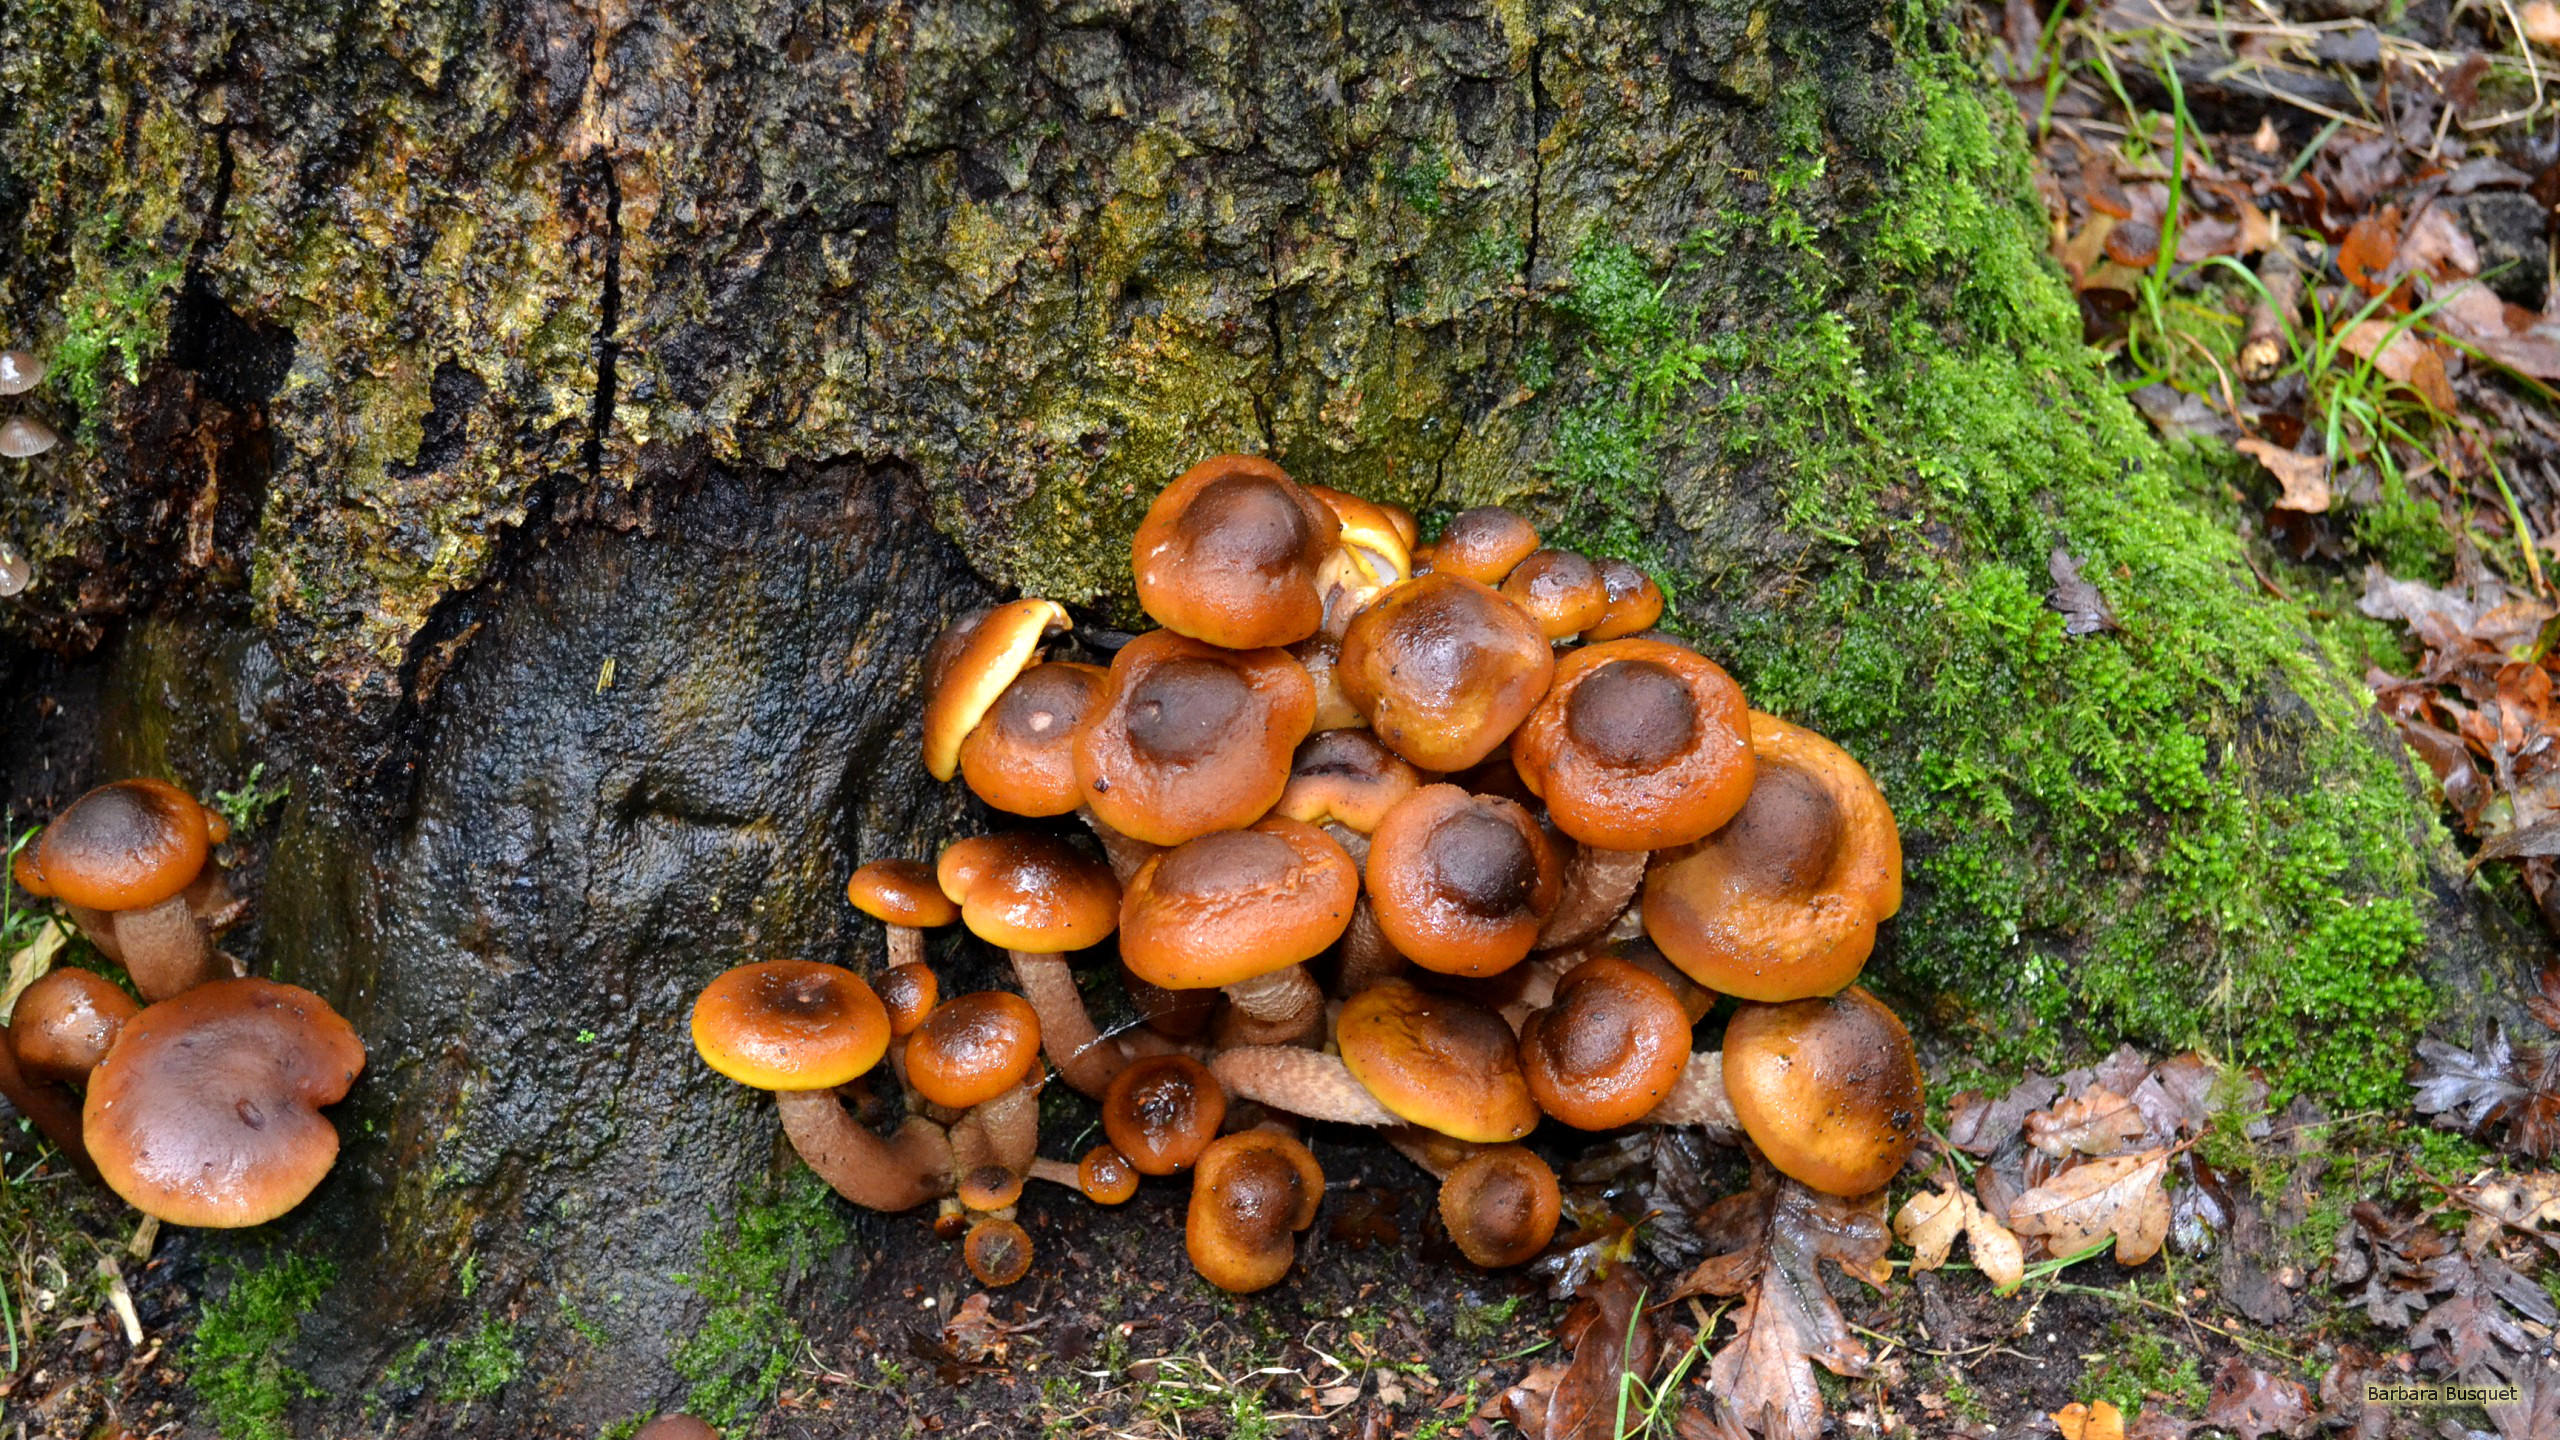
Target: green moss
(481, 1363)
(2142, 1366)
(747, 1342)
(236, 1360)
(116, 318)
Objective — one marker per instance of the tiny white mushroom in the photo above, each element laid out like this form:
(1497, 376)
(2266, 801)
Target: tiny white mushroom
(20, 370)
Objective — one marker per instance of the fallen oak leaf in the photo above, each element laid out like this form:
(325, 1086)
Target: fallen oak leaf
(2099, 1420)
(1930, 1221)
(2083, 610)
(2399, 355)
(2098, 1121)
(1611, 1342)
(2252, 1404)
(2120, 1195)
(2305, 478)
(1786, 1321)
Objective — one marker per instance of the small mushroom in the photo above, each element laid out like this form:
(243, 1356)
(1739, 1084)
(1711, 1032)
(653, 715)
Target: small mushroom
(207, 1111)
(1021, 758)
(800, 1029)
(675, 1427)
(1484, 544)
(66, 1022)
(1635, 602)
(1460, 883)
(21, 371)
(997, 1251)
(1501, 1205)
(1783, 902)
(973, 663)
(1229, 554)
(908, 994)
(1438, 1061)
(1372, 556)
(1039, 898)
(1241, 910)
(1444, 668)
(17, 572)
(1321, 657)
(1561, 590)
(1609, 1049)
(1828, 1088)
(1162, 1112)
(903, 896)
(1251, 1193)
(52, 1109)
(1189, 738)
(23, 437)
(1345, 777)
(973, 1049)
(121, 859)
(1641, 745)
(1104, 1176)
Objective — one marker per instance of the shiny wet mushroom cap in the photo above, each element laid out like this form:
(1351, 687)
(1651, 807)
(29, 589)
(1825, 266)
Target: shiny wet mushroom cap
(1030, 892)
(1162, 1112)
(1021, 759)
(1444, 668)
(1232, 906)
(903, 896)
(790, 1025)
(1460, 882)
(1635, 602)
(1640, 745)
(997, 1251)
(1189, 738)
(1828, 1088)
(1501, 1205)
(973, 1048)
(1439, 1061)
(124, 846)
(66, 1021)
(23, 437)
(908, 993)
(1347, 778)
(1229, 555)
(1609, 1047)
(1484, 544)
(1106, 1177)
(207, 1111)
(20, 371)
(16, 571)
(1561, 590)
(971, 665)
(1250, 1195)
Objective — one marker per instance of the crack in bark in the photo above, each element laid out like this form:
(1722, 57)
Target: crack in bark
(210, 237)
(1537, 174)
(608, 323)
(1266, 401)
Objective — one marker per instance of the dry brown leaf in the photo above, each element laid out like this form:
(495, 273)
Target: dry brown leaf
(1930, 1221)
(2098, 1121)
(2541, 22)
(2252, 1404)
(2403, 357)
(2305, 478)
(2372, 244)
(2471, 310)
(2120, 1195)
(2437, 243)
(1786, 1320)
(2100, 1420)
(1610, 1341)
(2535, 353)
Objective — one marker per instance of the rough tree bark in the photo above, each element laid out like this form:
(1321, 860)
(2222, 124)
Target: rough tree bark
(553, 431)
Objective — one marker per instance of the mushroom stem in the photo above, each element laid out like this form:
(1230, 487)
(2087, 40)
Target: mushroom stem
(898, 1173)
(906, 945)
(1277, 1007)
(1697, 1097)
(1436, 1153)
(166, 949)
(49, 1106)
(1597, 886)
(1302, 1082)
(1367, 957)
(1004, 1132)
(1084, 1058)
(1125, 852)
(1057, 1172)
(99, 926)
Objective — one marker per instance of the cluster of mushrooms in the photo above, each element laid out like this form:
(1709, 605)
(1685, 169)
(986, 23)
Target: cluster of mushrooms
(201, 1104)
(22, 437)
(1440, 840)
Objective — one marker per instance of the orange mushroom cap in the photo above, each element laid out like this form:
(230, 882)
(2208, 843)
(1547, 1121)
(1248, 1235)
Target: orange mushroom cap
(1828, 1088)
(1022, 757)
(1484, 544)
(1783, 902)
(1028, 892)
(908, 993)
(1608, 1048)
(1106, 1176)
(1162, 1111)
(1250, 1195)
(1561, 590)
(973, 1048)
(1640, 745)
(1444, 668)
(1460, 882)
(1635, 602)
(124, 846)
(676, 1427)
(971, 665)
(1501, 1205)
(1189, 738)
(900, 892)
(1440, 1061)
(1228, 907)
(997, 1251)
(790, 1025)
(29, 874)
(1372, 555)
(1347, 777)
(66, 1022)
(1228, 554)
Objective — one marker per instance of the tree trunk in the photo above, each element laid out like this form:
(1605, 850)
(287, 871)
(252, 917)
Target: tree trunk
(554, 432)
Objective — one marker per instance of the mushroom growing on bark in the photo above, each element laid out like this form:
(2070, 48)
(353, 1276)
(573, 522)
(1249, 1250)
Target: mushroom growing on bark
(1484, 544)
(1461, 883)
(1039, 898)
(1251, 1193)
(973, 663)
(903, 896)
(1445, 668)
(1229, 554)
(1828, 1088)
(1189, 738)
(121, 859)
(1561, 590)
(207, 1111)
(1635, 602)
(1240, 910)
(1373, 554)
(1021, 758)
(24, 437)
(20, 371)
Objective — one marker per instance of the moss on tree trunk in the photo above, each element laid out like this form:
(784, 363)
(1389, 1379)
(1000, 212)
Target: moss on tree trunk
(550, 433)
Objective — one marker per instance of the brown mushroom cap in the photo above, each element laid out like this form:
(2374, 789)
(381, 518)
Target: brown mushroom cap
(1022, 757)
(1033, 893)
(1501, 1205)
(207, 1111)
(1608, 1048)
(1828, 1088)
(1459, 882)
(973, 1048)
(1484, 544)
(675, 1427)
(969, 667)
(1347, 777)
(790, 1025)
(901, 892)
(1635, 602)
(1250, 1195)
(1162, 1112)
(1228, 554)
(908, 993)
(1190, 738)
(1561, 590)
(1106, 1177)
(1444, 668)
(1640, 745)
(29, 874)
(990, 1187)
(124, 846)
(1228, 907)
(997, 1251)
(66, 1021)
(1783, 902)
(1440, 1061)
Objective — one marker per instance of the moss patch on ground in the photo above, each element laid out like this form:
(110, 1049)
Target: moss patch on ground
(236, 1361)
(748, 1342)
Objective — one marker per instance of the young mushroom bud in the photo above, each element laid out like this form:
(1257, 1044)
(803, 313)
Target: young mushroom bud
(1484, 544)
(901, 895)
(207, 1111)
(1828, 1088)
(1635, 602)
(1251, 1193)
(1460, 882)
(1561, 590)
(23, 437)
(908, 994)
(972, 664)
(1162, 1112)
(1444, 668)
(1345, 777)
(1372, 556)
(120, 858)
(800, 1029)
(1641, 745)
(1438, 1061)
(66, 1022)
(997, 1251)
(1022, 758)
(1241, 909)
(1784, 900)
(1501, 1205)
(1609, 1049)
(1106, 1176)
(1189, 738)
(1229, 554)
(1039, 898)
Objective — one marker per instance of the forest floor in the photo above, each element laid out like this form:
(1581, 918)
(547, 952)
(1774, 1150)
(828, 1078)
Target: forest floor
(2316, 238)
